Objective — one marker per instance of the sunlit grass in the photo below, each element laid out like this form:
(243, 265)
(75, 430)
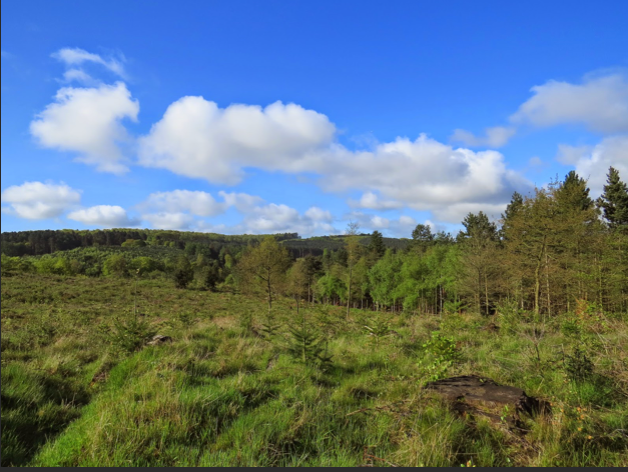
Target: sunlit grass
(222, 394)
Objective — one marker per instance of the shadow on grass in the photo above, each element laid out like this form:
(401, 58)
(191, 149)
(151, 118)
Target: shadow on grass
(34, 410)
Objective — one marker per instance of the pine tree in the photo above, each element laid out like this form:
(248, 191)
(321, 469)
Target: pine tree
(614, 200)
(422, 238)
(376, 245)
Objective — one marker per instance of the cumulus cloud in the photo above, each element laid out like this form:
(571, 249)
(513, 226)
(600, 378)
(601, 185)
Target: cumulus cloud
(73, 57)
(425, 175)
(398, 228)
(110, 216)
(198, 139)
(370, 200)
(243, 202)
(593, 163)
(273, 218)
(169, 221)
(87, 121)
(570, 155)
(177, 201)
(318, 214)
(600, 103)
(37, 201)
(494, 137)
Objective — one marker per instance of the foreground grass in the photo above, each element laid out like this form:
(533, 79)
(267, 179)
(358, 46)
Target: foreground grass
(223, 395)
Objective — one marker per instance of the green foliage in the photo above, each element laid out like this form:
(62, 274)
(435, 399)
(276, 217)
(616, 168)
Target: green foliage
(378, 328)
(182, 272)
(130, 334)
(304, 345)
(116, 265)
(578, 366)
(439, 355)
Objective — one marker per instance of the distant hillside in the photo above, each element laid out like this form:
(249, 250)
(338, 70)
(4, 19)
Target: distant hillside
(35, 243)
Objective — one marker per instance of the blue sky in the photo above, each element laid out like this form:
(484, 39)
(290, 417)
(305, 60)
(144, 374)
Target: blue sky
(263, 117)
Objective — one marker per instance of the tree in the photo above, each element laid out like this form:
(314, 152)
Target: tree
(183, 272)
(614, 201)
(298, 281)
(479, 262)
(422, 237)
(376, 245)
(352, 246)
(116, 265)
(264, 267)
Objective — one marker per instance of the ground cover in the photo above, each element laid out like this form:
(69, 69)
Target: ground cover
(237, 387)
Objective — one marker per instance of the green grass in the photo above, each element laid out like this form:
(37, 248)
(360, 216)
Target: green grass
(223, 395)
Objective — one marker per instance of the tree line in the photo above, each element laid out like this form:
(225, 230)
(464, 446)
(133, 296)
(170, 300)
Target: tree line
(549, 251)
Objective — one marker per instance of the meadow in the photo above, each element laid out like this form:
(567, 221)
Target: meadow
(235, 386)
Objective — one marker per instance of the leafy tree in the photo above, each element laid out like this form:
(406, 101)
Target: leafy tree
(116, 265)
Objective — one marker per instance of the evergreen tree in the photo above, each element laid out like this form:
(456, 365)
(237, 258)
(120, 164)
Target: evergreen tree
(183, 272)
(614, 200)
(376, 245)
(264, 267)
(422, 237)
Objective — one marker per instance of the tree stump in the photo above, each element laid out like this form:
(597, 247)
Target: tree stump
(483, 396)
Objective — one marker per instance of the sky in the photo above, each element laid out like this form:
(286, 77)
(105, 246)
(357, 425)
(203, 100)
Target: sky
(250, 117)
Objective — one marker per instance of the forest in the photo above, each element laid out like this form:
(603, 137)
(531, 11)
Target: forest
(275, 350)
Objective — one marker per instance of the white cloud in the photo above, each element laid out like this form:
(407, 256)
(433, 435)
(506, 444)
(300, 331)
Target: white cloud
(110, 216)
(455, 213)
(273, 218)
(593, 163)
(87, 121)
(600, 103)
(318, 214)
(243, 202)
(495, 137)
(169, 221)
(570, 155)
(370, 200)
(195, 138)
(195, 202)
(425, 175)
(4, 54)
(379, 222)
(73, 57)
(37, 201)
(78, 75)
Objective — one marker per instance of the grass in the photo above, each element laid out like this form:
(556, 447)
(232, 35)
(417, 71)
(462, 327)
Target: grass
(224, 393)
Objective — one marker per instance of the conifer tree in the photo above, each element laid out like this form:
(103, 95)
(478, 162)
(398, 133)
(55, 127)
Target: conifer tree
(264, 267)
(614, 200)
(376, 245)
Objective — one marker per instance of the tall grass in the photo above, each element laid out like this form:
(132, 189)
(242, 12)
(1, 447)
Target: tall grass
(226, 393)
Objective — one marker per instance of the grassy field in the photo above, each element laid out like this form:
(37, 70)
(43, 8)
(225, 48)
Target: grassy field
(235, 388)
